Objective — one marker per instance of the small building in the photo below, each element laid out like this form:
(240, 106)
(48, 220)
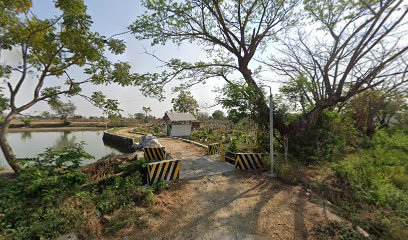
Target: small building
(179, 124)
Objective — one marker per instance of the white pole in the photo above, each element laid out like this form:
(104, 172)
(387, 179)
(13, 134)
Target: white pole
(271, 129)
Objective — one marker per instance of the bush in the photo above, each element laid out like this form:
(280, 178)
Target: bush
(288, 172)
(31, 203)
(47, 198)
(26, 121)
(329, 139)
(373, 186)
(118, 192)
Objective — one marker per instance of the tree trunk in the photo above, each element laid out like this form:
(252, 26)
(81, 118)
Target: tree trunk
(305, 121)
(5, 146)
(285, 147)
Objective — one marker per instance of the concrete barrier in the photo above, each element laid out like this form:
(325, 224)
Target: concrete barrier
(245, 161)
(164, 170)
(154, 154)
(117, 141)
(214, 148)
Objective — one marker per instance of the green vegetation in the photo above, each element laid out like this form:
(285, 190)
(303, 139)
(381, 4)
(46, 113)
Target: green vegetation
(51, 196)
(370, 186)
(26, 121)
(185, 103)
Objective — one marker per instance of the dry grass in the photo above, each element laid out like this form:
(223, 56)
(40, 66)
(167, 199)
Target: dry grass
(105, 167)
(89, 226)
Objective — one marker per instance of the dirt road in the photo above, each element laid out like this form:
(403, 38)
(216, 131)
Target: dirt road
(177, 148)
(235, 205)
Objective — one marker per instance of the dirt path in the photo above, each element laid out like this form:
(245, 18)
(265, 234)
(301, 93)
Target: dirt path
(235, 205)
(177, 148)
(180, 149)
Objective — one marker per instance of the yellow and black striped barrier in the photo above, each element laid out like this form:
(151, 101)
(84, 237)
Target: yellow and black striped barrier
(246, 161)
(152, 154)
(164, 170)
(214, 148)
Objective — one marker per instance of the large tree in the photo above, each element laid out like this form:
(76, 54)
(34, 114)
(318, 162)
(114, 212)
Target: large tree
(218, 115)
(232, 32)
(146, 110)
(63, 110)
(185, 103)
(355, 45)
(350, 47)
(49, 49)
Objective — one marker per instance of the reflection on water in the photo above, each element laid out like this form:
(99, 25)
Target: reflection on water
(65, 139)
(25, 136)
(29, 144)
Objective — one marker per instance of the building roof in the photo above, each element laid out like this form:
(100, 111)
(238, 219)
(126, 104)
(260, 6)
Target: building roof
(179, 117)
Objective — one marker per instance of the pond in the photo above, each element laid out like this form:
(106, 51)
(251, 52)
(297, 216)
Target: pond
(30, 143)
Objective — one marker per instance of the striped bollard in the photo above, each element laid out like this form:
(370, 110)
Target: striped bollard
(164, 170)
(245, 161)
(152, 154)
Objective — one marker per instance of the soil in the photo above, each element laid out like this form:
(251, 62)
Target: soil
(236, 205)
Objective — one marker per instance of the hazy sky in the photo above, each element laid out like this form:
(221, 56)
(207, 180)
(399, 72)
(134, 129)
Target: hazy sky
(112, 17)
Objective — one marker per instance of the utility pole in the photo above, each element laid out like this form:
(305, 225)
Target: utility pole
(271, 130)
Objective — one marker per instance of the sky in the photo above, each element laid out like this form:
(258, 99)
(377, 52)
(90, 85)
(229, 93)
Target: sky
(111, 17)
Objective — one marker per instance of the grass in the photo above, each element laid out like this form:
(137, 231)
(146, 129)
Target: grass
(370, 187)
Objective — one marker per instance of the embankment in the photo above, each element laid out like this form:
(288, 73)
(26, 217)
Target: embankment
(119, 142)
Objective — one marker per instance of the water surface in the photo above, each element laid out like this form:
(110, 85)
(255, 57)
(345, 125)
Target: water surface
(29, 144)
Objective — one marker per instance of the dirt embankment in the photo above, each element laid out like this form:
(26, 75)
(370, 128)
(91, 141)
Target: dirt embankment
(236, 205)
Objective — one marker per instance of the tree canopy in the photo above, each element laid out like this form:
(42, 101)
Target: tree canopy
(63, 110)
(329, 50)
(231, 39)
(218, 115)
(355, 46)
(185, 103)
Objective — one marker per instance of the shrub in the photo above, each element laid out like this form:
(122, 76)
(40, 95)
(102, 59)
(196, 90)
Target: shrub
(330, 138)
(373, 184)
(288, 172)
(47, 197)
(118, 192)
(31, 203)
(26, 121)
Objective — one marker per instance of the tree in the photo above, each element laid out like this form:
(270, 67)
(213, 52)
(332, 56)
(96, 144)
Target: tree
(45, 115)
(240, 100)
(146, 110)
(375, 107)
(203, 116)
(231, 38)
(185, 103)
(48, 50)
(355, 46)
(218, 115)
(138, 116)
(64, 110)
